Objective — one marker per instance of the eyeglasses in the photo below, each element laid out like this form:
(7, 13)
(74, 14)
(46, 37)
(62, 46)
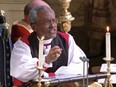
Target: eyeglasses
(48, 22)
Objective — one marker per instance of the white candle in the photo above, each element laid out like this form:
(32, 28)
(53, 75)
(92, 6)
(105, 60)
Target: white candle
(108, 46)
(40, 65)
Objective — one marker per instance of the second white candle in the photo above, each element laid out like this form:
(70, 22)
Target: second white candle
(108, 44)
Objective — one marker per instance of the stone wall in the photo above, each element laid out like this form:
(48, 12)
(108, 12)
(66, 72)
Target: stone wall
(13, 10)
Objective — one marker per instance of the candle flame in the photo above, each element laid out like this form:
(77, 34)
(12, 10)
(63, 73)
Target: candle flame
(42, 37)
(107, 28)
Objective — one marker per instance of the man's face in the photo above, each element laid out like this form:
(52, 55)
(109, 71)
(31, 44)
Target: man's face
(46, 25)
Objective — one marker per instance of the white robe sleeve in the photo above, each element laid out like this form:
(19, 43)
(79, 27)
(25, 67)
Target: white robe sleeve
(23, 66)
(75, 65)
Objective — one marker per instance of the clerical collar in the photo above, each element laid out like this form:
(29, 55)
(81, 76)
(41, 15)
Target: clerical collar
(47, 41)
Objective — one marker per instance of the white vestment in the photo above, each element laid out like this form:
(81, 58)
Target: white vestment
(23, 66)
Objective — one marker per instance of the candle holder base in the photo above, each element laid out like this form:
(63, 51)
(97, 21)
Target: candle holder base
(107, 82)
(40, 69)
(108, 60)
(39, 84)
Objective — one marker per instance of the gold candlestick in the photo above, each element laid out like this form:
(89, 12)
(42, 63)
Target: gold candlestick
(40, 69)
(107, 82)
(40, 63)
(65, 18)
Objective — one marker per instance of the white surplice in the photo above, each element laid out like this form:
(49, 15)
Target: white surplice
(23, 66)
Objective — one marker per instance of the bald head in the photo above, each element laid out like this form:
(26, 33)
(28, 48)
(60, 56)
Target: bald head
(27, 9)
(32, 4)
(38, 2)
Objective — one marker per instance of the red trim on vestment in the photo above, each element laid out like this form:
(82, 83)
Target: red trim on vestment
(25, 39)
(17, 32)
(17, 82)
(51, 74)
(65, 36)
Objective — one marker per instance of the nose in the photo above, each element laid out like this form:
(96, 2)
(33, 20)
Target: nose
(52, 24)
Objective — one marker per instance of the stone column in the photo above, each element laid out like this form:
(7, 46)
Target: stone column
(100, 13)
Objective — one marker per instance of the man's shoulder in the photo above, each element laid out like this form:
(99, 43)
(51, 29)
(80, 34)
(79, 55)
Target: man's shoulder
(64, 35)
(19, 23)
(25, 39)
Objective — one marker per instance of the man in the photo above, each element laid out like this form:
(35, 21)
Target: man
(61, 54)
(22, 27)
